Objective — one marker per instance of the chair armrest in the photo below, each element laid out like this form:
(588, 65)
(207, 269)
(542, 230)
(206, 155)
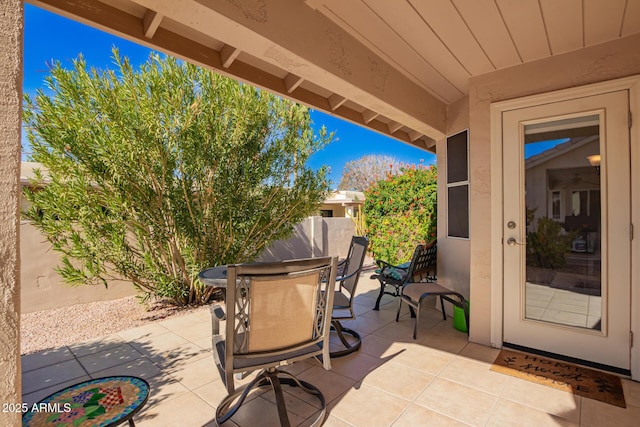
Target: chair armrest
(217, 315)
(340, 266)
(341, 278)
(385, 264)
(218, 311)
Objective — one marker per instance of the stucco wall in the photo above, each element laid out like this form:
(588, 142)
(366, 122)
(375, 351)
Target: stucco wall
(315, 236)
(453, 253)
(607, 61)
(11, 29)
(297, 246)
(41, 288)
(337, 237)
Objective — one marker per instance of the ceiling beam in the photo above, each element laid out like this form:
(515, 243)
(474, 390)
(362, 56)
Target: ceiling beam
(151, 22)
(291, 82)
(369, 116)
(336, 101)
(228, 54)
(394, 127)
(430, 144)
(414, 135)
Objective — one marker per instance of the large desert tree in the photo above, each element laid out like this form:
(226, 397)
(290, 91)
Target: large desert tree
(362, 173)
(158, 172)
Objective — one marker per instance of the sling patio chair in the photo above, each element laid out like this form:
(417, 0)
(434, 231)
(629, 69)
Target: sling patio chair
(275, 313)
(422, 267)
(344, 295)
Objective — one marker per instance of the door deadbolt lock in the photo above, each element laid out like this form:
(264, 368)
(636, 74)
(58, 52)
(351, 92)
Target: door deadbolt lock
(511, 225)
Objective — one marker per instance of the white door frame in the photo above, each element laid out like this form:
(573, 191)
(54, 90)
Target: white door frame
(628, 83)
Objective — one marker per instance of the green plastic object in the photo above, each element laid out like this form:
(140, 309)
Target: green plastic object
(459, 322)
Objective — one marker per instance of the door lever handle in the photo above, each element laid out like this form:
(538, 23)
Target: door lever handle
(511, 241)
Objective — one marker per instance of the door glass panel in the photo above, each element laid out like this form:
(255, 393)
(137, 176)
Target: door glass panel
(563, 216)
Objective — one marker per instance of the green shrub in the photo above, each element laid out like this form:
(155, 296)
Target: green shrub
(401, 212)
(158, 173)
(547, 244)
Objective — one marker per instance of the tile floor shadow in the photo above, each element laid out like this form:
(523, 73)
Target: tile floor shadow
(393, 380)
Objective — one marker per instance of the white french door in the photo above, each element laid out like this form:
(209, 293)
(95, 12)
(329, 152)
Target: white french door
(567, 216)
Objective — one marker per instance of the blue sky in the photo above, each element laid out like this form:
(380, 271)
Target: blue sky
(49, 37)
(537, 147)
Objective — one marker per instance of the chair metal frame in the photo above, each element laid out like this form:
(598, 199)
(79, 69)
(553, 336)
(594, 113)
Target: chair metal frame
(423, 258)
(429, 289)
(423, 266)
(351, 269)
(232, 352)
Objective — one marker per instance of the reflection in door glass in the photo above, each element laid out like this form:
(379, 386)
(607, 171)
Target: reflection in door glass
(563, 251)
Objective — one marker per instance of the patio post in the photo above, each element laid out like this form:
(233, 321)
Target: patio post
(11, 35)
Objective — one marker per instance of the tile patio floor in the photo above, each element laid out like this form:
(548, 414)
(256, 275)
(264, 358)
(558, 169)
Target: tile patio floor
(439, 380)
(562, 306)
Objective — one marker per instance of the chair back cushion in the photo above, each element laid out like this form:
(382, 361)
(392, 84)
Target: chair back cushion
(282, 310)
(353, 263)
(278, 307)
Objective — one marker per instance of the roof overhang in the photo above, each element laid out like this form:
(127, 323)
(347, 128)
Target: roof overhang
(393, 67)
(289, 49)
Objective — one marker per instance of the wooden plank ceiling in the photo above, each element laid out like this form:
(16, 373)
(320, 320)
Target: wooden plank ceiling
(392, 66)
(440, 44)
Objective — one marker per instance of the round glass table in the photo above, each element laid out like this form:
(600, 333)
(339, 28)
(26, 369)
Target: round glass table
(214, 276)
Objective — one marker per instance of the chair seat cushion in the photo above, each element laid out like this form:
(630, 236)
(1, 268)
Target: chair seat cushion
(396, 273)
(416, 290)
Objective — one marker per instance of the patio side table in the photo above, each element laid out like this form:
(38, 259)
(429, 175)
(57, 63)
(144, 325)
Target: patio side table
(102, 402)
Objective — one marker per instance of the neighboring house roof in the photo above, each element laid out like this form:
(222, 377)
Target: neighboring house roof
(558, 150)
(345, 198)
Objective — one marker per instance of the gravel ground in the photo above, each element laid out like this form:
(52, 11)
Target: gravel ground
(64, 326)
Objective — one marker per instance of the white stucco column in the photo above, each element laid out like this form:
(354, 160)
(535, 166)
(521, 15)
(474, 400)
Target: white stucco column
(11, 29)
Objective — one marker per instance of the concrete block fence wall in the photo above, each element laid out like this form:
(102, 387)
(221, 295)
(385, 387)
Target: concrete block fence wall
(43, 289)
(314, 237)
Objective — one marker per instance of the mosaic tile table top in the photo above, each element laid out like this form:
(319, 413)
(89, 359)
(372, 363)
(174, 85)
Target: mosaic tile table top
(101, 402)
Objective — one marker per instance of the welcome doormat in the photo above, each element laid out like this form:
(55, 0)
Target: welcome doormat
(561, 375)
